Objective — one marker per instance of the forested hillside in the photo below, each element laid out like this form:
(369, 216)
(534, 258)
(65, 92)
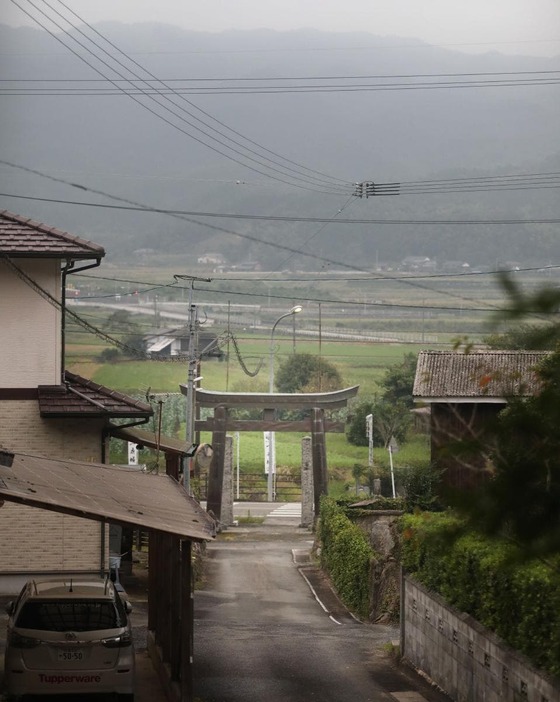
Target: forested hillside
(336, 108)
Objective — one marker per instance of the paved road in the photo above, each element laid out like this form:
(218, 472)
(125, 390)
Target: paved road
(260, 633)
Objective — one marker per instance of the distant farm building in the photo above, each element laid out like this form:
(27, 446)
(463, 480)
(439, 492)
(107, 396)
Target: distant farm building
(166, 343)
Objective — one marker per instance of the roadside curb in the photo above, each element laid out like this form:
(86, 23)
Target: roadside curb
(321, 588)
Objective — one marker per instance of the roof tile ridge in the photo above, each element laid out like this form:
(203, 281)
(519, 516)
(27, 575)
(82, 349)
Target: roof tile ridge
(104, 390)
(54, 231)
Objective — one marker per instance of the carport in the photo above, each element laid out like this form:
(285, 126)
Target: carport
(131, 498)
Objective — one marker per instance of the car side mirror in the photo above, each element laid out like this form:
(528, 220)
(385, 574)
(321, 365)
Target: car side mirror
(127, 607)
(10, 607)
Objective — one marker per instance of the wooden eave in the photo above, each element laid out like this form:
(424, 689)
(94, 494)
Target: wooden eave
(104, 493)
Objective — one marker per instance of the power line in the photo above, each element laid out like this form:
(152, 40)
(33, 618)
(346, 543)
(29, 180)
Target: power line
(517, 181)
(149, 91)
(253, 79)
(372, 277)
(285, 173)
(256, 86)
(322, 300)
(273, 244)
(276, 218)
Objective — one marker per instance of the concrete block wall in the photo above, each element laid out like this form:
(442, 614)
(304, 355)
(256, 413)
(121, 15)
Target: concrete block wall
(462, 657)
(22, 429)
(36, 540)
(43, 541)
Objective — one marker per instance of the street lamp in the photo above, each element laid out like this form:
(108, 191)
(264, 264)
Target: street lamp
(296, 309)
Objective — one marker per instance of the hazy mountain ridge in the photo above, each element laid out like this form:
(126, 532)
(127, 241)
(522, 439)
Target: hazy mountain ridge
(112, 144)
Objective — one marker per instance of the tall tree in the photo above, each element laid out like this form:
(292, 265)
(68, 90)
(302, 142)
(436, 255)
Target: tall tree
(398, 381)
(304, 372)
(389, 419)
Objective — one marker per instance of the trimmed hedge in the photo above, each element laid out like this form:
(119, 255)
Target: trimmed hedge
(347, 556)
(519, 602)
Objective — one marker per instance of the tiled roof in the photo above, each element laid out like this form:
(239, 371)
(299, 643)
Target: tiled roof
(21, 237)
(483, 374)
(79, 397)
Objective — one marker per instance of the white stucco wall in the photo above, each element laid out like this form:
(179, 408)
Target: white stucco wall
(30, 340)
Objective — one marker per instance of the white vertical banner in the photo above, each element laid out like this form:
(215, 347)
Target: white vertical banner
(132, 454)
(269, 451)
(237, 462)
(369, 434)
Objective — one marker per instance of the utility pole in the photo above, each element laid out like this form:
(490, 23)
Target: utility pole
(192, 360)
(191, 372)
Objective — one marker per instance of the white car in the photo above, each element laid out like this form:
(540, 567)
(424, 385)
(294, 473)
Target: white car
(69, 636)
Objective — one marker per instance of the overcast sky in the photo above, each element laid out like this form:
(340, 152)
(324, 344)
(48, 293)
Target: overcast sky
(509, 26)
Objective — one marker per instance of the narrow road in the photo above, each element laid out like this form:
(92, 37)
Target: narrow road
(261, 635)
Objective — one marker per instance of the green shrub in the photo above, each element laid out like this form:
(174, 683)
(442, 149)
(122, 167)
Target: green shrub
(519, 602)
(347, 556)
(420, 485)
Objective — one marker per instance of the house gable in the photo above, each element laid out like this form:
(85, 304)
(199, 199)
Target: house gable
(24, 238)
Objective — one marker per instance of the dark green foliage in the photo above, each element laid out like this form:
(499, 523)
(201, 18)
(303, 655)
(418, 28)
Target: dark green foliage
(398, 381)
(391, 416)
(483, 578)
(389, 419)
(544, 304)
(135, 345)
(524, 337)
(109, 355)
(347, 556)
(521, 498)
(121, 321)
(356, 427)
(420, 484)
(304, 372)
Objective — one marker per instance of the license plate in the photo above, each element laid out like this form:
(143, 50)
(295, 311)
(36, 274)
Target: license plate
(74, 655)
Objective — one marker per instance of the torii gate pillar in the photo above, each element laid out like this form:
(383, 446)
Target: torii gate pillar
(307, 495)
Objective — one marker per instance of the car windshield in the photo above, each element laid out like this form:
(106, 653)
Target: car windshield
(70, 615)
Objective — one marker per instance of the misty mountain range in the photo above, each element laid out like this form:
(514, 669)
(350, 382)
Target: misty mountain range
(110, 143)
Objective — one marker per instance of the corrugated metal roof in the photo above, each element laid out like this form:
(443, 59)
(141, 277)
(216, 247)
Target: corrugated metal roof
(159, 345)
(21, 237)
(167, 444)
(481, 374)
(84, 398)
(105, 493)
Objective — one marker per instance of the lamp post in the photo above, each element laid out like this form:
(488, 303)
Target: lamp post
(270, 482)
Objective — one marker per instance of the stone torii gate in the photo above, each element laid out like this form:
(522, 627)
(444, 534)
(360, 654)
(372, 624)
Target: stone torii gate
(269, 403)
